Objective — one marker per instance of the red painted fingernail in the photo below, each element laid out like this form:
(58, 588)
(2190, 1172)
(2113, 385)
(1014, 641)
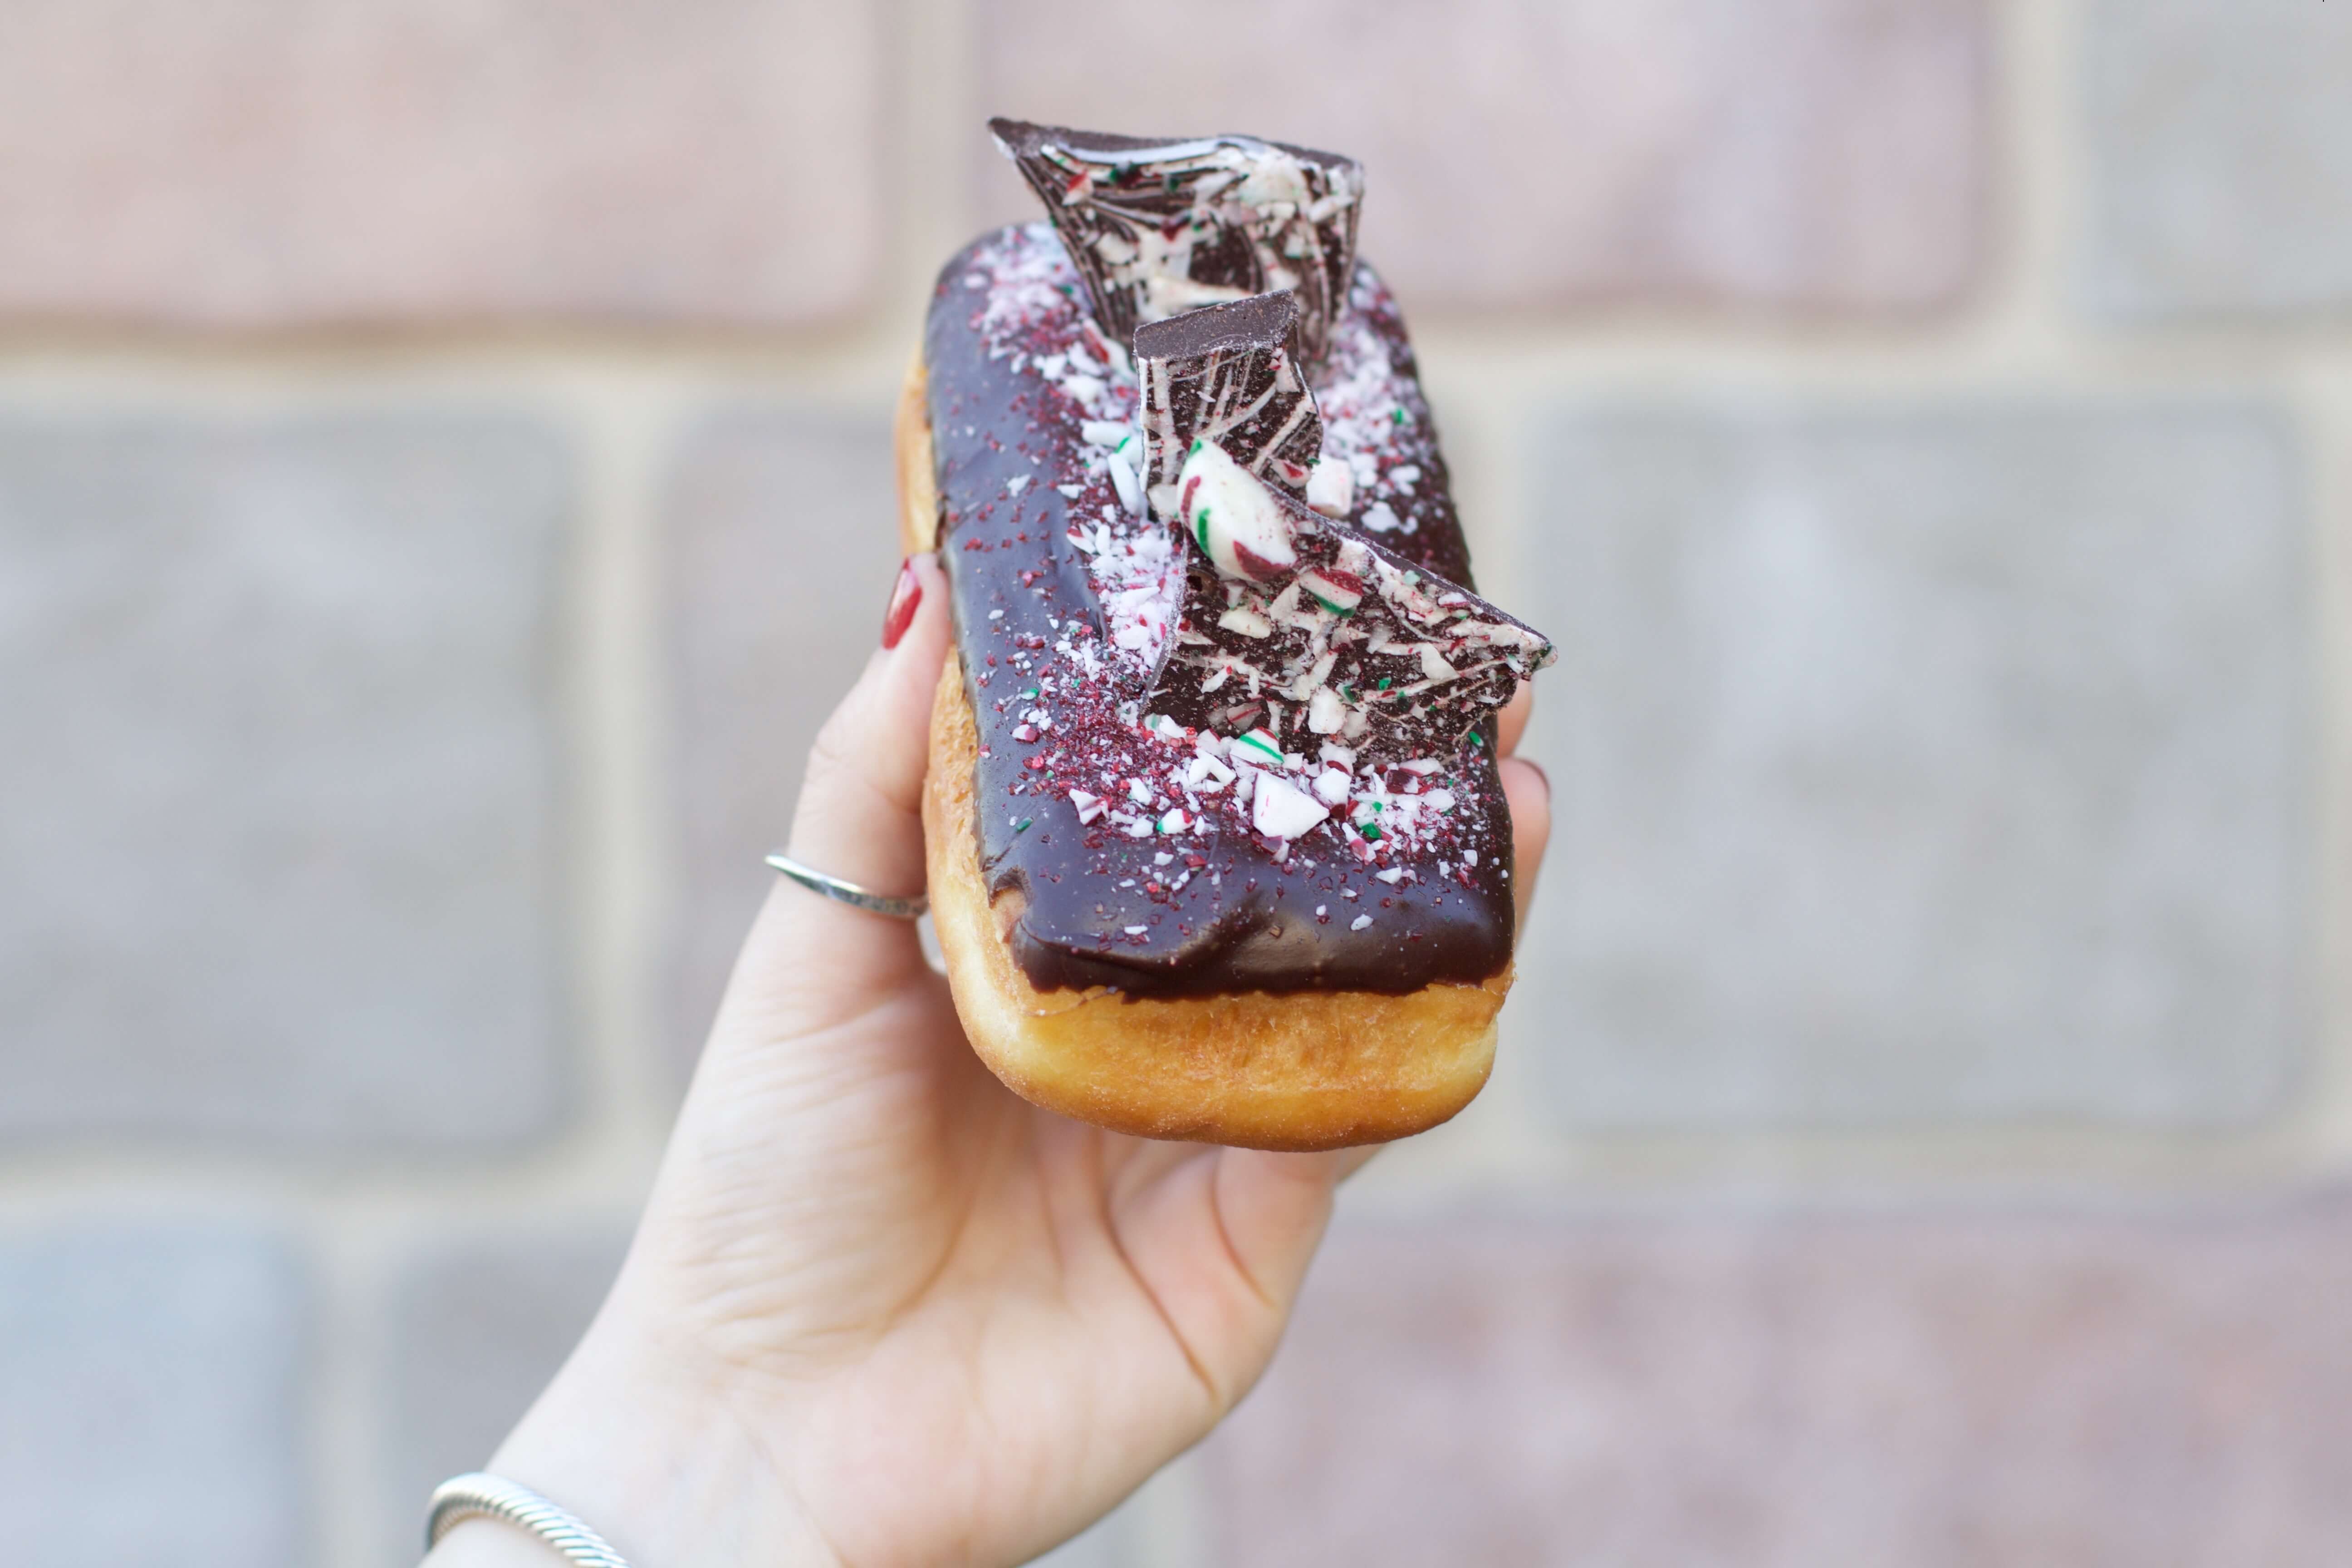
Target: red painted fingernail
(906, 598)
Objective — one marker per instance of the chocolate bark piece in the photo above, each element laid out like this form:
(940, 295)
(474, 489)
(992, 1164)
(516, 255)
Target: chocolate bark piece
(1228, 373)
(1343, 642)
(1159, 226)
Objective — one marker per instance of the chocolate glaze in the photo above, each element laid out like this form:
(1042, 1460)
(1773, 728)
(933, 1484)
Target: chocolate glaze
(1131, 879)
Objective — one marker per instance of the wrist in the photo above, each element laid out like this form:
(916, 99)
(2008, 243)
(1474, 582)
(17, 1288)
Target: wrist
(651, 1457)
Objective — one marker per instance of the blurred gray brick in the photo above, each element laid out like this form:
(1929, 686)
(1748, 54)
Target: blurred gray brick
(1947, 761)
(1819, 154)
(272, 160)
(277, 857)
(2219, 139)
(1949, 1393)
(479, 1327)
(781, 528)
(151, 1392)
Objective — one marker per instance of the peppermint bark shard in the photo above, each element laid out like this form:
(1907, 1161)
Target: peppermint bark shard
(1230, 374)
(1159, 227)
(1348, 646)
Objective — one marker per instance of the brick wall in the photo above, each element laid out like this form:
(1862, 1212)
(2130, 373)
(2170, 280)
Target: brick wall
(1921, 1135)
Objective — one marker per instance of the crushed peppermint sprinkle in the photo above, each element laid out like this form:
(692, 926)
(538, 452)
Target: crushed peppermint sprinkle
(1360, 922)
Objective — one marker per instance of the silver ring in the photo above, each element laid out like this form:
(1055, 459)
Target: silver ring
(850, 893)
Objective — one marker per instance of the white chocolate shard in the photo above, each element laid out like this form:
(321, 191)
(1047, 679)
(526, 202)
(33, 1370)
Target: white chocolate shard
(1332, 487)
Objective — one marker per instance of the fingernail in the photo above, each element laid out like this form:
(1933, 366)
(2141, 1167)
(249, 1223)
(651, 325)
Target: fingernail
(906, 598)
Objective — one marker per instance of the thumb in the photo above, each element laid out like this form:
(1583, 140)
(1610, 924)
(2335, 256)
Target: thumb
(810, 961)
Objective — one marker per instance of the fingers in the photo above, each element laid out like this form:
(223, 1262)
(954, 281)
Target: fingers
(860, 812)
(1512, 721)
(860, 819)
(1220, 1240)
(1529, 789)
(1274, 1209)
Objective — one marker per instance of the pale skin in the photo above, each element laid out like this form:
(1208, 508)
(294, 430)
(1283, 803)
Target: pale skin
(880, 1312)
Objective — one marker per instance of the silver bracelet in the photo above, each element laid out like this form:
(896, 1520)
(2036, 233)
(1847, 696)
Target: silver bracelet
(478, 1496)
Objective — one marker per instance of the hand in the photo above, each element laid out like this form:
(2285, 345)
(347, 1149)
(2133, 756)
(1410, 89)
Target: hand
(881, 1312)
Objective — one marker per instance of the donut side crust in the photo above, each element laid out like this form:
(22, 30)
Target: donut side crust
(919, 481)
(1313, 1069)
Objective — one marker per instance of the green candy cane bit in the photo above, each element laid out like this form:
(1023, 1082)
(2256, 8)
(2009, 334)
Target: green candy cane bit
(1259, 744)
(1201, 529)
(1396, 416)
(1477, 739)
(1021, 826)
(1371, 832)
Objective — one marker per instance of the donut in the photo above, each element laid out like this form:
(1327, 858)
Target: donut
(1217, 849)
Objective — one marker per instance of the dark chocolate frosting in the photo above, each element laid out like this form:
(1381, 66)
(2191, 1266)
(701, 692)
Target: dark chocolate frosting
(1142, 869)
